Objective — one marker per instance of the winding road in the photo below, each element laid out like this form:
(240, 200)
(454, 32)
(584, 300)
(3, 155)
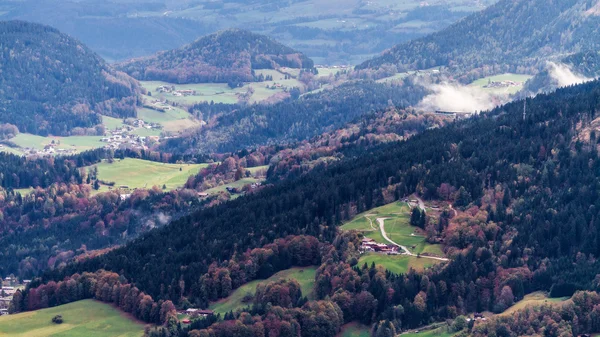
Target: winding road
(381, 221)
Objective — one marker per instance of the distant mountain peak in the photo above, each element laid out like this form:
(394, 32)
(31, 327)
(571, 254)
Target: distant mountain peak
(228, 55)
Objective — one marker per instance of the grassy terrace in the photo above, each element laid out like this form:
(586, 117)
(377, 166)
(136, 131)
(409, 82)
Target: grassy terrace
(87, 318)
(305, 276)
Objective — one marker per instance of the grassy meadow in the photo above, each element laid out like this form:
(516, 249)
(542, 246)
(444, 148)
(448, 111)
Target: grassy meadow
(480, 83)
(305, 276)
(439, 332)
(222, 93)
(397, 226)
(534, 299)
(138, 173)
(397, 264)
(87, 318)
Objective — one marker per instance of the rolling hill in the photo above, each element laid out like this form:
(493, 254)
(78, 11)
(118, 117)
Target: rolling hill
(514, 34)
(227, 56)
(52, 84)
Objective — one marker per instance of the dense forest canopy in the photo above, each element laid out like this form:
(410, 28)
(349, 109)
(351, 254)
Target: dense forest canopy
(51, 83)
(517, 33)
(226, 56)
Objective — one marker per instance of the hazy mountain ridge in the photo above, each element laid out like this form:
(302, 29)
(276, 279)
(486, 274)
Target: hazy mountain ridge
(517, 33)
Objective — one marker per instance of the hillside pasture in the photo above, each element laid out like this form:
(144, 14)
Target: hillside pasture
(397, 264)
(305, 277)
(87, 318)
(534, 299)
(138, 173)
(397, 226)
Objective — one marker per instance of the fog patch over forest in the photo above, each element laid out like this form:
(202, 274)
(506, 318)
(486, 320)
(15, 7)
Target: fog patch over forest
(456, 98)
(564, 75)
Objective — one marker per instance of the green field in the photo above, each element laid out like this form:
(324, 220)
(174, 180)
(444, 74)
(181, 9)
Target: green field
(87, 318)
(221, 92)
(440, 332)
(397, 264)
(305, 276)
(173, 120)
(480, 83)
(354, 330)
(78, 143)
(397, 225)
(138, 173)
(534, 299)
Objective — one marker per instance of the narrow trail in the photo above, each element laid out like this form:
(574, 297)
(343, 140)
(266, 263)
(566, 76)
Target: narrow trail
(381, 221)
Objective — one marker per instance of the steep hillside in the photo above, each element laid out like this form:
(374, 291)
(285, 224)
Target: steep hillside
(541, 171)
(51, 83)
(226, 56)
(512, 33)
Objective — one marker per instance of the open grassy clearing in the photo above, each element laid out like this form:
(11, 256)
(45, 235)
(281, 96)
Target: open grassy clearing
(173, 120)
(439, 332)
(397, 226)
(397, 264)
(78, 143)
(305, 277)
(222, 93)
(508, 77)
(354, 330)
(87, 318)
(138, 173)
(534, 299)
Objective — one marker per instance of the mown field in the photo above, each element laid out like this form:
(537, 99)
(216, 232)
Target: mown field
(397, 226)
(87, 318)
(398, 264)
(138, 173)
(305, 276)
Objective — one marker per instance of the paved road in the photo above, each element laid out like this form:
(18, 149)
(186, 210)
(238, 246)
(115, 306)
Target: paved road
(380, 221)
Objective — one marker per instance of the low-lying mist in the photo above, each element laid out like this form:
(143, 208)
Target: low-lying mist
(457, 98)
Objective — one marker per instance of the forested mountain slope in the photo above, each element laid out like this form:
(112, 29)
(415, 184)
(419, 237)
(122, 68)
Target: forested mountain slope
(293, 120)
(226, 56)
(541, 217)
(513, 33)
(51, 83)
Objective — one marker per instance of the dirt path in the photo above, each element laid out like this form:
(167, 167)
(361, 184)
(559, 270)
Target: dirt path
(381, 221)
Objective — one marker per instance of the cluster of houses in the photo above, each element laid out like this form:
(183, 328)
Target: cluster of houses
(193, 313)
(502, 84)
(170, 89)
(9, 288)
(369, 245)
(121, 137)
(50, 149)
